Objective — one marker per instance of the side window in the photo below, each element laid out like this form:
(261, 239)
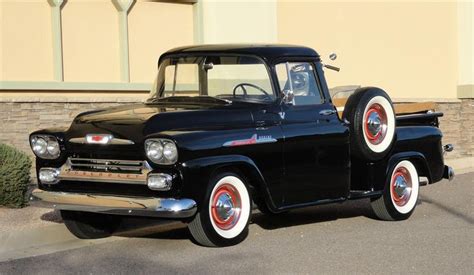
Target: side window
(299, 77)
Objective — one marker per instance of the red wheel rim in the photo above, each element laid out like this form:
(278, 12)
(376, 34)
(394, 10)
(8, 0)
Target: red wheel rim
(375, 124)
(401, 186)
(226, 206)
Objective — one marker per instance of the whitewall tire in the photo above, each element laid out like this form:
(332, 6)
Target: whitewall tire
(224, 216)
(372, 122)
(400, 194)
(379, 138)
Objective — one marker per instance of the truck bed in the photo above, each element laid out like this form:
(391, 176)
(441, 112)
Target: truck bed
(401, 109)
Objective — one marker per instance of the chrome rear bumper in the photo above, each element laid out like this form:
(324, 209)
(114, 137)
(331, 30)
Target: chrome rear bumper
(149, 207)
(448, 173)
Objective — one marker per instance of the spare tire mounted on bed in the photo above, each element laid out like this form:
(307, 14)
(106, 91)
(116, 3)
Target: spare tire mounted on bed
(372, 123)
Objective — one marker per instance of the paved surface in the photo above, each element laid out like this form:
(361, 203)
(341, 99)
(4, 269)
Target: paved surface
(340, 238)
(22, 219)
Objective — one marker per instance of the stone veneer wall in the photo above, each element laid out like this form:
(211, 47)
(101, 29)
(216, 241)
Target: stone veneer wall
(457, 125)
(18, 119)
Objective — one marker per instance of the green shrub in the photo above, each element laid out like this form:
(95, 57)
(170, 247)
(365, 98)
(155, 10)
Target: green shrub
(14, 176)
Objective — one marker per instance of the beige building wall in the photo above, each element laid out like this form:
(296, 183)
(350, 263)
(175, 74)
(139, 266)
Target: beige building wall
(408, 48)
(153, 29)
(90, 41)
(90, 35)
(466, 48)
(25, 41)
(235, 21)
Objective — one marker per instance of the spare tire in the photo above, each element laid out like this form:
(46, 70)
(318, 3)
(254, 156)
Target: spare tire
(372, 123)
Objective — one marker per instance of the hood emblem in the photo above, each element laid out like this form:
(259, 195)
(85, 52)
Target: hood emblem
(102, 139)
(99, 139)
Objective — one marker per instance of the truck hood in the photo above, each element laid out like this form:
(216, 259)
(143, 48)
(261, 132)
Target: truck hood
(136, 122)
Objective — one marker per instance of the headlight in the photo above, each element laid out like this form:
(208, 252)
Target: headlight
(45, 146)
(161, 151)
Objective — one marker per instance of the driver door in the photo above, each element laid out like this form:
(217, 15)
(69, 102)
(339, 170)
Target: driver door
(316, 143)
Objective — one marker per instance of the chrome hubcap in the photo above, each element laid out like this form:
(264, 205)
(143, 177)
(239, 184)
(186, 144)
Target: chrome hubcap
(401, 186)
(375, 124)
(226, 207)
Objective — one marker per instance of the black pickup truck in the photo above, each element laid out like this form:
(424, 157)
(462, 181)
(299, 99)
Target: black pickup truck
(230, 126)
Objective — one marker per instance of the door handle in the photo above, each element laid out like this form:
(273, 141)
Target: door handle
(327, 112)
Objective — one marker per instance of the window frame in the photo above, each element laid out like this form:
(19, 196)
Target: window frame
(311, 62)
(204, 55)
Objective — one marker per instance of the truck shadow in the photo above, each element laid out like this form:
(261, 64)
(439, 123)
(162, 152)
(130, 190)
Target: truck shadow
(155, 229)
(448, 209)
(52, 216)
(315, 214)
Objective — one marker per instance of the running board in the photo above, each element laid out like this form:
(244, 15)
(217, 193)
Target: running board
(360, 194)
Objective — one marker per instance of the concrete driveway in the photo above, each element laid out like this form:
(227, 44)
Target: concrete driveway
(338, 238)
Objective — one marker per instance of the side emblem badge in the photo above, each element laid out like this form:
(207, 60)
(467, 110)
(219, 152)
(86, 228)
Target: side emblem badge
(255, 139)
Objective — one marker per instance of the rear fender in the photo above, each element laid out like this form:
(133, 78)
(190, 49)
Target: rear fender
(417, 158)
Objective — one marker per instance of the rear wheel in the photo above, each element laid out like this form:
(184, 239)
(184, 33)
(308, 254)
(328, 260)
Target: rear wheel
(400, 194)
(225, 214)
(85, 225)
(372, 123)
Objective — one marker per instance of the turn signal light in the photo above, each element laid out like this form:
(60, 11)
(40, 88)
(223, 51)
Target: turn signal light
(159, 182)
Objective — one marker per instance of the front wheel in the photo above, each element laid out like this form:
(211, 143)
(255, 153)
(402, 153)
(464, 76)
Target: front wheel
(224, 216)
(400, 194)
(85, 225)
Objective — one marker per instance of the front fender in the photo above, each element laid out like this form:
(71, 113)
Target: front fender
(197, 172)
(59, 133)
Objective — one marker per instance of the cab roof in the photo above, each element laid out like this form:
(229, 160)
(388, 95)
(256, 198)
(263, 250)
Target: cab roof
(268, 52)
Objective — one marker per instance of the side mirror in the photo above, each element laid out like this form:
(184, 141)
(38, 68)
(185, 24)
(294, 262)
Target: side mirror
(207, 66)
(289, 97)
(333, 57)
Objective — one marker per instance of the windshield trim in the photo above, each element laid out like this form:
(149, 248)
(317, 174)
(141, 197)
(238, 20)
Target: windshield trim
(205, 55)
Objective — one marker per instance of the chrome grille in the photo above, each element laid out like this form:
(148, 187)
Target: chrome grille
(107, 165)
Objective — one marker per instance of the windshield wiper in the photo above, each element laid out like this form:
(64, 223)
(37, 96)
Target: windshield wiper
(167, 99)
(217, 98)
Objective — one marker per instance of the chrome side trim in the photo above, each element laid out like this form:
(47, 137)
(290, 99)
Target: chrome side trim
(113, 141)
(117, 205)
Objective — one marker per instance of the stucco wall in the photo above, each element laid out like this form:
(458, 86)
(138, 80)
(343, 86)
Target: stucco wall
(90, 39)
(153, 29)
(408, 48)
(25, 41)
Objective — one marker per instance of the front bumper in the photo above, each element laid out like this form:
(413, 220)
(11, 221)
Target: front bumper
(117, 205)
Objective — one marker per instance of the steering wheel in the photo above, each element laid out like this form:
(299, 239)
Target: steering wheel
(242, 85)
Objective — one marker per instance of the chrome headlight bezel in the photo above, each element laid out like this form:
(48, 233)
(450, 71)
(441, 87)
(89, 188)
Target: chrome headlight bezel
(45, 146)
(161, 151)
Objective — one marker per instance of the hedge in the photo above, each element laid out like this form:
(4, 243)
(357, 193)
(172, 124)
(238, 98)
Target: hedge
(14, 176)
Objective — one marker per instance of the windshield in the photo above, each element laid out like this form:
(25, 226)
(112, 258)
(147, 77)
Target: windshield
(227, 78)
